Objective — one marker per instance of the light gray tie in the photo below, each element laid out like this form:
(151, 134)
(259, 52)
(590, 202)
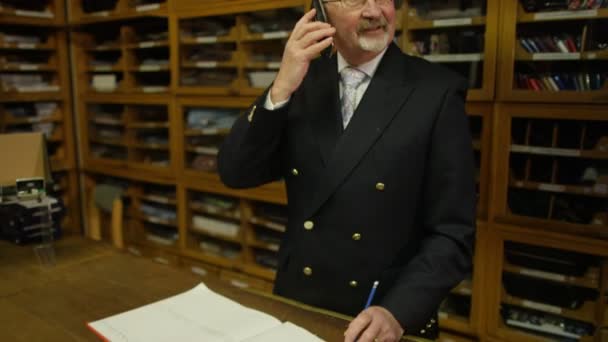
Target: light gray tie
(351, 80)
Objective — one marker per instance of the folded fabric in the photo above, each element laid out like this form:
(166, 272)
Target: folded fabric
(208, 78)
(20, 38)
(207, 27)
(211, 118)
(205, 163)
(222, 203)
(158, 211)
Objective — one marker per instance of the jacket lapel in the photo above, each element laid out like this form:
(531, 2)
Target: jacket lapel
(325, 104)
(385, 96)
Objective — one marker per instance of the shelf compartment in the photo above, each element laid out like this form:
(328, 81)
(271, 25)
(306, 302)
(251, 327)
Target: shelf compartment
(559, 63)
(268, 25)
(454, 58)
(209, 82)
(219, 229)
(39, 13)
(416, 23)
(208, 30)
(151, 44)
(568, 15)
(161, 237)
(590, 279)
(119, 10)
(232, 61)
(455, 310)
(585, 314)
(217, 246)
(26, 39)
(156, 220)
(550, 325)
(599, 190)
(215, 206)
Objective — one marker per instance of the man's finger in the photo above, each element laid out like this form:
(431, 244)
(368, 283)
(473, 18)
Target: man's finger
(306, 18)
(309, 27)
(356, 327)
(316, 36)
(371, 332)
(315, 49)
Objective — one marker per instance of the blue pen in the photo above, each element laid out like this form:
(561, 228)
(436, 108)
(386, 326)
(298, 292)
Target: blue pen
(371, 294)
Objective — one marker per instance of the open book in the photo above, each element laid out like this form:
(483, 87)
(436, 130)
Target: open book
(197, 315)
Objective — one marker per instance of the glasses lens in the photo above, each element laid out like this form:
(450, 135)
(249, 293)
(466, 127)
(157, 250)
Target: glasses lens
(354, 3)
(361, 3)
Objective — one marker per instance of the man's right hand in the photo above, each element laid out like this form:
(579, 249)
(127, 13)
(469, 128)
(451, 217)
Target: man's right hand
(306, 42)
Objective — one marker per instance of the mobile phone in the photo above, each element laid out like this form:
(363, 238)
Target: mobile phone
(321, 16)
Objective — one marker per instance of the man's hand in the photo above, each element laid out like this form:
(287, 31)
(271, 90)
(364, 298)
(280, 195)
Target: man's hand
(374, 324)
(307, 40)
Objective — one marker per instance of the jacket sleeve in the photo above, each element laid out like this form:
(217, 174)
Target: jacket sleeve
(250, 154)
(448, 216)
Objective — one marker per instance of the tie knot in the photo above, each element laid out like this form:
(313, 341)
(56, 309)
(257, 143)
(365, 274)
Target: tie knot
(352, 77)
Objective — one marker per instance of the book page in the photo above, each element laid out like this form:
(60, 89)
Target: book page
(285, 332)
(196, 315)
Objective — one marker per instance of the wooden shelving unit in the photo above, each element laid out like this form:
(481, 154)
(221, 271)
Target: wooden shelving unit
(239, 56)
(123, 56)
(35, 91)
(39, 14)
(134, 134)
(197, 61)
(552, 56)
(526, 259)
(546, 184)
(548, 160)
(90, 12)
(463, 40)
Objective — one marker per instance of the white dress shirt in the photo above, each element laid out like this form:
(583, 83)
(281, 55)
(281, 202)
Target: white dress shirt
(369, 68)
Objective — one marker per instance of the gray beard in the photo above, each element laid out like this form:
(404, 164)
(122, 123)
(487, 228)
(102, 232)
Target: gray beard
(373, 44)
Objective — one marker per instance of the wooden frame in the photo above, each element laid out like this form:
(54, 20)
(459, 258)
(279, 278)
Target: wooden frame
(483, 111)
(121, 11)
(63, 163)
(127, 66)
(52, 16)
(502, 151)
(474, 324)
(501, 233)
(412, 23)
(514, 15)
(130, 102)
(494, 140)
(238, 35)
(243, 214)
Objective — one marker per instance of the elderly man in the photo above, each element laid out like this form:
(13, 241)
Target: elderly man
(376, 155)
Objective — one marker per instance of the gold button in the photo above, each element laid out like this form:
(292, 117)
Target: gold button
(250, 116)
(307, 271)
(309, 225)
(429, 325)
(422, 331)
(380, 186)
(295, 172)
(353, 283)
(432, 321)
(356, 236)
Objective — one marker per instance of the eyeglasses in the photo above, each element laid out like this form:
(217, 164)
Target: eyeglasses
(357, 4)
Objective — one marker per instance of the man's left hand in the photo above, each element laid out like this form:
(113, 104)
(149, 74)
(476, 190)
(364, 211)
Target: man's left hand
(374, 324)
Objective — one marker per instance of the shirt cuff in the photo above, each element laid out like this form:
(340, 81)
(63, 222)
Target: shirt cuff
(268, 105)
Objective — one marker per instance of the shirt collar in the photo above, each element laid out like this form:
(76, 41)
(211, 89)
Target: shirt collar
(369, 68)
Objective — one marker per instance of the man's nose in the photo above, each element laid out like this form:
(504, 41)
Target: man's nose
(371, 9)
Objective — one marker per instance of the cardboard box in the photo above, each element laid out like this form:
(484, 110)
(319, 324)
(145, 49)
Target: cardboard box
(23, 155)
